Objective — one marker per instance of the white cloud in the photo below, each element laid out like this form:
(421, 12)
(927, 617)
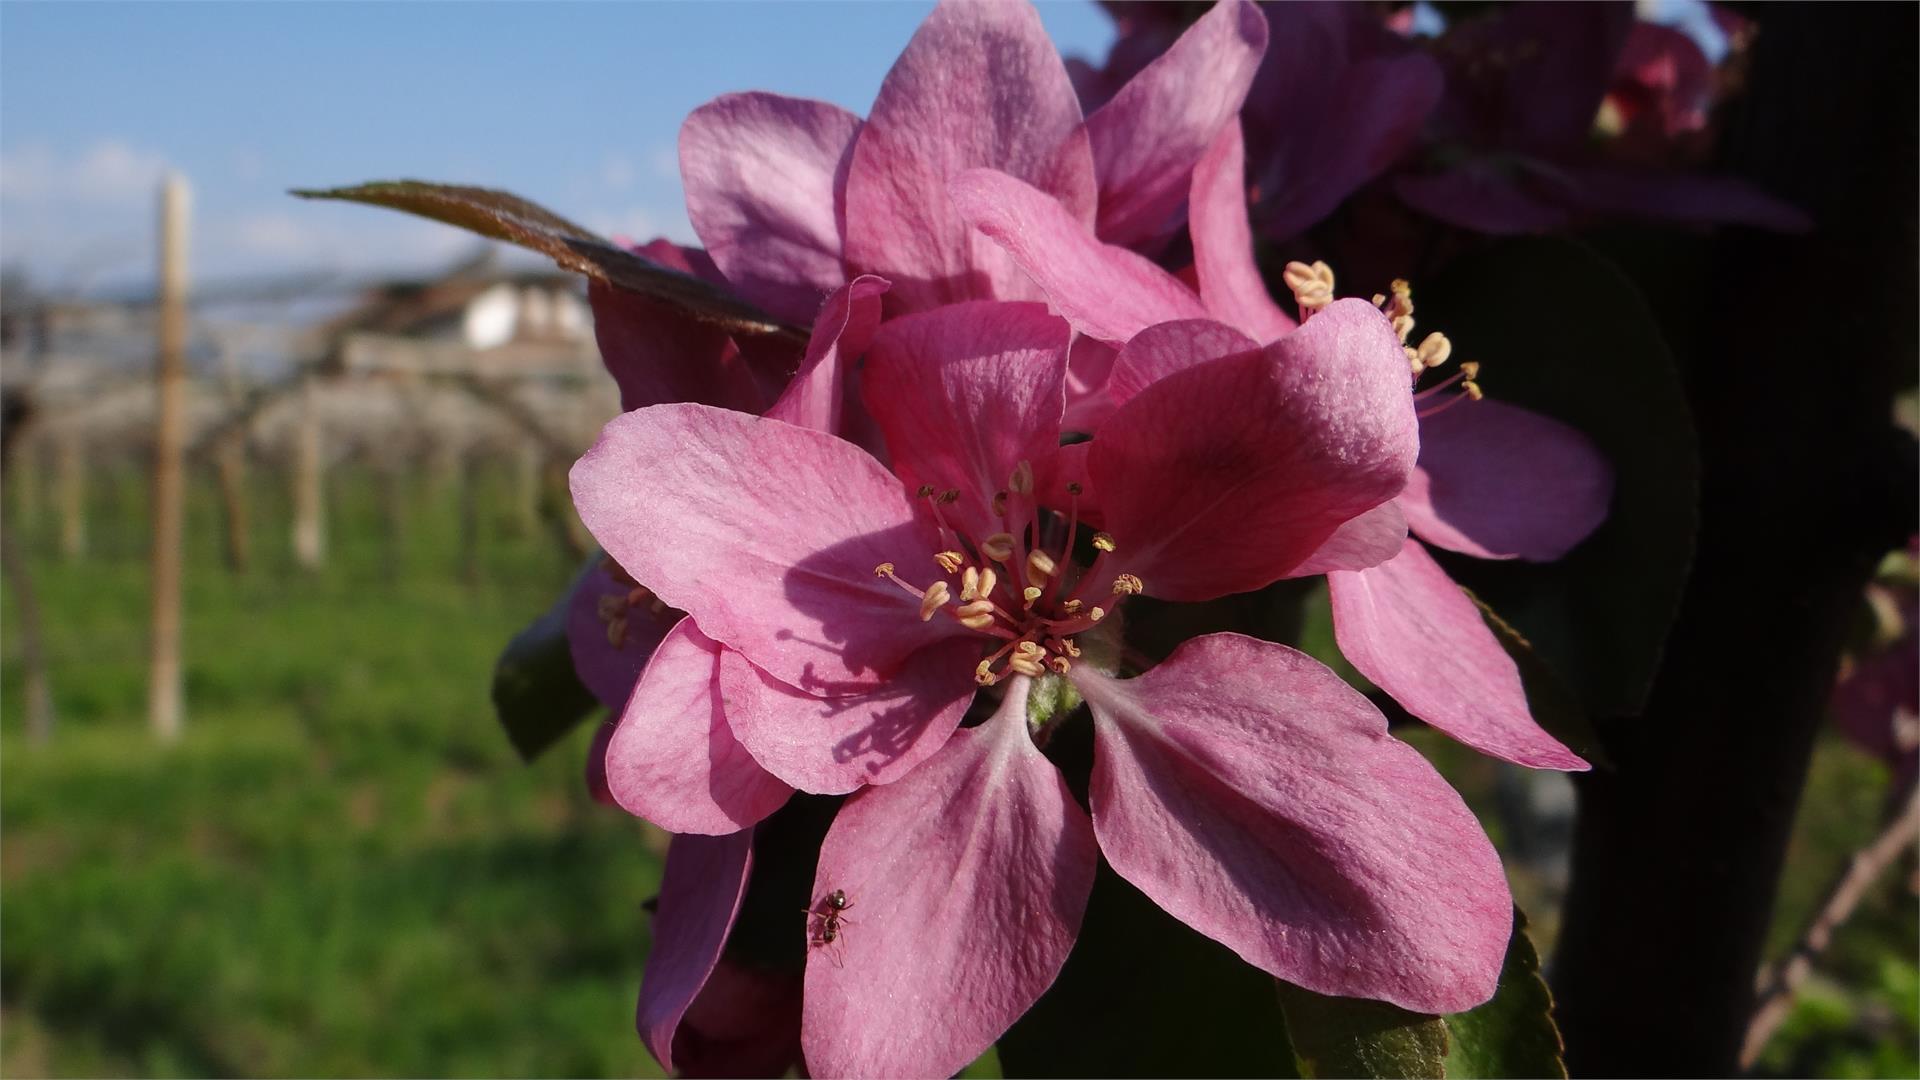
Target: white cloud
(108, 172)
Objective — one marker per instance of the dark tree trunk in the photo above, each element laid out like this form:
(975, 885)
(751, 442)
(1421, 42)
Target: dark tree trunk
(1797, 347)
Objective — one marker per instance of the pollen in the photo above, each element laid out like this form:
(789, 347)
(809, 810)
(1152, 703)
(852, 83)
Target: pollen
(1103, 541)
(1127, 585)
(1030, 595)
(934, 599)
(950, 561)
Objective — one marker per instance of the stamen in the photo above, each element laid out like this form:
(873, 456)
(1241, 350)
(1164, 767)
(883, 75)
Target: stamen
(1040, 564)
(1126, 585)
(1072, 607)
(1060, 665)
(1029, 594)
(1434, 350)
(977, 583)
(885, 569)
(977, 615)
(1103, 541)
(998, 547)
(1096, 614)
(936, 598)
(950, 561)
(617, 631)
(983, 673)
(1312, 286)
(999, 504)
(1021, 482)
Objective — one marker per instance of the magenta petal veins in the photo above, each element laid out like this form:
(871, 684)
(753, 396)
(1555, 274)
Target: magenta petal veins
(967, 882)
(1258, 799)
(674, 760)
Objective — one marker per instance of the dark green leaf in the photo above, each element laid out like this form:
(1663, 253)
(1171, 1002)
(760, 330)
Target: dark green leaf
(500, 215)
(1336, 1037)
(1553, 706)
(1514, 1034)
(1559, 330)
(535, 691)
(1143, 995)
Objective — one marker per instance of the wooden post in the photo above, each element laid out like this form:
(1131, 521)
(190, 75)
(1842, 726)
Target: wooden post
(71, 479)
(164, 685)
(309, 497)
(230, 461)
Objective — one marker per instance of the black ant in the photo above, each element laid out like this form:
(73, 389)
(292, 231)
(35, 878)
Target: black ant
(829, 911)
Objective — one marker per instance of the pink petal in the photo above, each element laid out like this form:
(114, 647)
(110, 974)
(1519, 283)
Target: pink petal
(1258, 799)
(1227, 476)
(673, 760)
(1106, 292)
(1089, 366)
(816, 398)
(1148, 137)
(1405, 625)
(768, 534)
(833, 745)
(1498, 481)
(964, 393)
(607, 670)
(657, 354)
(1338, 101)
(967, 883)
(746, 1022)
(1230, 283)
(980, 85)
(765, 176)
(1367, 540)
(1162, 349)
(700, 893)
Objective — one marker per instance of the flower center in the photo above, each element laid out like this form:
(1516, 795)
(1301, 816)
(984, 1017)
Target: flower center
(1433, 351)
(1019, 584)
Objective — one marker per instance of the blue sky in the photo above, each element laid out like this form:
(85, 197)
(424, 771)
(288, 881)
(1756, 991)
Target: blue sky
(574, 105)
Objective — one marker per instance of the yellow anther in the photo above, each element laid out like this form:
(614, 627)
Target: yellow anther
(1021, 482)
(1103, 541)
(950, 561)
(1379, 300)
(976, 615)
(1071, 607)
(988, 579)
(1127, 585)
(1096, 614)
(998, 547)
(1040, 564)
(1030, 649)
(1403, 326)
(1025, 666)
(1413, 359)
(983, 674)
(1030, 595)
(1069, 646)
(1470, 369)
(925, 491)
(1472, 389)
(951, 495)
(970, 584)
(885, 569)
(934, 599)
(1434, 350)
(1060, 665)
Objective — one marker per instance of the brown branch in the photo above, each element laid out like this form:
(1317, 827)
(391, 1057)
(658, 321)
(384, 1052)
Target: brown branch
(1780, 981)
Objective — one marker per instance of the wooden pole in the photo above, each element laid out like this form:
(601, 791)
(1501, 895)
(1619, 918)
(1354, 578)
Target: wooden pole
(230, 460)
(71, 480)
(163, 689)
(309, 498)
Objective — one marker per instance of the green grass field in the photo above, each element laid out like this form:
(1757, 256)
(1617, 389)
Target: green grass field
(342, 869)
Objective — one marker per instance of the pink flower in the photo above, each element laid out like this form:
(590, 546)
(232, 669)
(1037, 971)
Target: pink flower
(791, 197)
(1493, 480)
(848, 614)
(1514, 133)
